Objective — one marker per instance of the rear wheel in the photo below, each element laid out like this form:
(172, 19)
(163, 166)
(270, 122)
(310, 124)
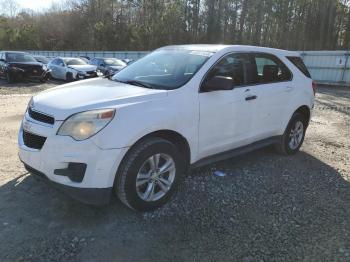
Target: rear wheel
(149, 174)
(294, 135)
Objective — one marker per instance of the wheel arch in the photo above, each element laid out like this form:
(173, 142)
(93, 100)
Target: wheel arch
(174, 137)
(305, 111)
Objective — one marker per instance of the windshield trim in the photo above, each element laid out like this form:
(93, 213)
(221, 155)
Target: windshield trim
(158, 87)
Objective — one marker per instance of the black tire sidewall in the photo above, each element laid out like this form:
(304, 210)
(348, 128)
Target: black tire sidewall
(69, 77)
(9, 78)
(296, 117)
(161, 146)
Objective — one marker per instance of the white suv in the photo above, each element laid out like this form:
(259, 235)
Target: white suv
(176, 108)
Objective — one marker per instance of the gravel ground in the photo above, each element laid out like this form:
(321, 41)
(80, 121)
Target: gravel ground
(266, 208)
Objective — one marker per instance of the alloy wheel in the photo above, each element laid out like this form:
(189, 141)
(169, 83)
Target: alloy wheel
(296, 135)
(155, 177)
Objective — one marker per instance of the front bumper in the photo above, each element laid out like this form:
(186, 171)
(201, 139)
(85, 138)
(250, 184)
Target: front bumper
(23, 74)
(59, 152)
(91, 196)
(87, 75)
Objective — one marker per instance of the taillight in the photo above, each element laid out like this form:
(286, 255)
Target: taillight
(314, 87)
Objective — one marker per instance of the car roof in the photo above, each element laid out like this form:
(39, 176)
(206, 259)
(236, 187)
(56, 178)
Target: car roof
(238, 48)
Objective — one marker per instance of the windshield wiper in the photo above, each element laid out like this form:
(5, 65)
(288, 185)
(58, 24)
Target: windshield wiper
(136, 83)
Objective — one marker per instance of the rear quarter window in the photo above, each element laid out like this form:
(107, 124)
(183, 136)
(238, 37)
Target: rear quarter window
(299, 63)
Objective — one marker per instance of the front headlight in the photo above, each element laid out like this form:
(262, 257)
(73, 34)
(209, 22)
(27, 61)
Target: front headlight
(44, 67)
(84, 125)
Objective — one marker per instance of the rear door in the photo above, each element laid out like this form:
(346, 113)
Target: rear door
(273, 88)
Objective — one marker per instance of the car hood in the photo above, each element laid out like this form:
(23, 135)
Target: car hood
(65, 100)
(26, 65)
(84, 68)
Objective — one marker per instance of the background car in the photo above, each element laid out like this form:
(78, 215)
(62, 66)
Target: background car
(21, 65)
(42, 59)
(128, 61)
(85, 58)
(70, 69)
(108, 66)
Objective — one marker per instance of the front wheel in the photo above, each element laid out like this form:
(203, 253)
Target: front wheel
(149, 174)
(294, 135)
(9, 78)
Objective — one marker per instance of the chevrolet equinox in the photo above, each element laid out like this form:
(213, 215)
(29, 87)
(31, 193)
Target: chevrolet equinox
(179, 107)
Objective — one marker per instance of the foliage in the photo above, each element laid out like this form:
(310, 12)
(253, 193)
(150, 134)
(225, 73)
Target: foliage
(148, 24)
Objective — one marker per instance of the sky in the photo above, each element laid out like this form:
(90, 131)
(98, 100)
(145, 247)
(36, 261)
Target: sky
(36, 5)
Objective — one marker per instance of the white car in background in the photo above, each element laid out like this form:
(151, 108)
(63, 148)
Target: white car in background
(179, 107)
(70, 69)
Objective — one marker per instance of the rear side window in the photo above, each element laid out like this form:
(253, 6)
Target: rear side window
(298, 62)
(269, 69)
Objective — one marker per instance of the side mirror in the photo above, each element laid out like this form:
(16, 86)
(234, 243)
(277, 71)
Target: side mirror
(218, 83)
(102, 65)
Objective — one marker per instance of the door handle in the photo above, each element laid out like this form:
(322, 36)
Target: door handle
(249, 98)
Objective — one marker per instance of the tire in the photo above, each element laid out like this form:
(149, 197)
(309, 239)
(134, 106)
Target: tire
(286, 146)
(46, 78)
(9, 78)
(136, 168)
(69, 77)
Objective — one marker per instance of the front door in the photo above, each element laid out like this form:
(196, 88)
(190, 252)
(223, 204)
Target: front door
(226, 116)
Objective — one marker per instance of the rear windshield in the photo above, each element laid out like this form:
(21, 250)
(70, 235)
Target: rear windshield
(298, 62)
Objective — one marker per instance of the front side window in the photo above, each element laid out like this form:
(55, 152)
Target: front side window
(270, 69)
(233, 66)
(60, 62)
(164, 69)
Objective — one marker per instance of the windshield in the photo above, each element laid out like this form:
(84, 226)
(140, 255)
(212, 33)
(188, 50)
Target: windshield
(74, 61)
(19, 57)
(164, 69)
(114, 62)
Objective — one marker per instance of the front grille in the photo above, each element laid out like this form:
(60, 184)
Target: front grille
(41, 117)
(36, 72)
(91, 72)
(33, 141)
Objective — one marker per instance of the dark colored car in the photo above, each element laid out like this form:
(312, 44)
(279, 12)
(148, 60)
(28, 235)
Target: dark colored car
(42, 59)
(20, 65)
(108, 66)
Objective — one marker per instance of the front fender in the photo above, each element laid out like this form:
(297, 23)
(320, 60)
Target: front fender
(134, 121)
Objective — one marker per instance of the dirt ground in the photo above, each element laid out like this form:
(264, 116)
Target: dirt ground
(267, 207)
